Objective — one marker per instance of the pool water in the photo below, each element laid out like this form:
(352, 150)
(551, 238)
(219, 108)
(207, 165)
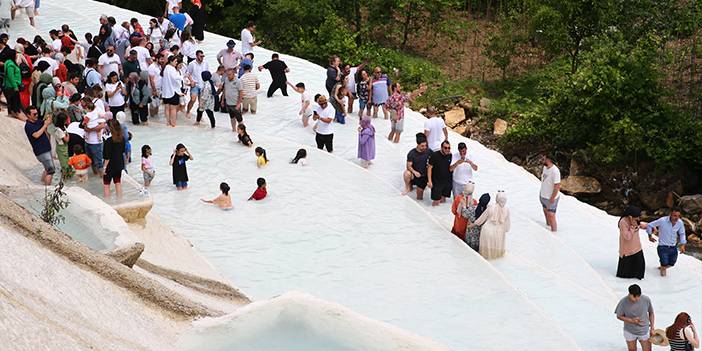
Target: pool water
(81, 224)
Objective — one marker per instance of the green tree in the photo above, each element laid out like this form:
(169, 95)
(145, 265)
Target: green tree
(503, 43)
(565, 26)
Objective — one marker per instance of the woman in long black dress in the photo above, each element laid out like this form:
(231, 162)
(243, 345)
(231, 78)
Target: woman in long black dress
(113, 155)
(631, 257)
(197, 12)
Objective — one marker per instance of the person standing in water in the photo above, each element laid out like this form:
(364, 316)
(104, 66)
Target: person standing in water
(223, 201)
(306, 103)
(366, 142)
(277, 69)
(671, 238)
(636, 311)
(180, 172)
(460, 202)
(416, 172)
(549, 194)
(631, 258)
(439, 174)
(495, 222)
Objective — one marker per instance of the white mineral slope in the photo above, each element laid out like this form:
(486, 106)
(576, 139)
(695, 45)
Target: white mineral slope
(250, 328)
(50, 303)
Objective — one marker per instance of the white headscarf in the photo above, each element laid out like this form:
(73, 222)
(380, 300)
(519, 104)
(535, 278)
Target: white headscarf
(500, 213)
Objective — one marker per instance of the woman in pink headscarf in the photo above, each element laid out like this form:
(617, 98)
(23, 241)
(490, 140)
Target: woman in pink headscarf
(366, 142)
(495, 224)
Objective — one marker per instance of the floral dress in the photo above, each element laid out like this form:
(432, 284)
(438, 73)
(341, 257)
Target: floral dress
(472, 233)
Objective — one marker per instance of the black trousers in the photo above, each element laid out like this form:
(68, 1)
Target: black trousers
(139, 114)
(210, 115)
(325, 141)
(278, 85)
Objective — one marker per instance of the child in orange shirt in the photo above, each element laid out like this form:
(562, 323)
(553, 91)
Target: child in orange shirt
(80, 162)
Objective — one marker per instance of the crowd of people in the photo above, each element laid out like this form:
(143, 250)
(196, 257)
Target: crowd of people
(75, 95)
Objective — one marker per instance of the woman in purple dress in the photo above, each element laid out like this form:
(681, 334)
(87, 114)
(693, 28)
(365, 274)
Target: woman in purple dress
(366, 142)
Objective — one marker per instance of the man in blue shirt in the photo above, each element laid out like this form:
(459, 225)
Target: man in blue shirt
(671, 232)
(35, 129)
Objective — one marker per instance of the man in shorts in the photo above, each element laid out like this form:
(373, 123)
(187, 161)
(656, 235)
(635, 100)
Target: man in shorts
(550, 186)
(249, 86)
(27, 5)
(36, 133)
(233, 96)
(439, 174)
(636, 311)
(416, 172)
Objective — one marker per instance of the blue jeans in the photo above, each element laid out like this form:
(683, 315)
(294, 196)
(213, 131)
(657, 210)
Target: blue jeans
(340, 117)
(36, 4)
(94, 151)
(668, 255)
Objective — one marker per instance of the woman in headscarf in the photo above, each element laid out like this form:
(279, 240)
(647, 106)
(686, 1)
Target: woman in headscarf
(482, 204)
(24, 62)
(495, 223)
(38, 88)
(462, 201)
(366, 142)
(53, 99)
(631, 257)
(467, 209)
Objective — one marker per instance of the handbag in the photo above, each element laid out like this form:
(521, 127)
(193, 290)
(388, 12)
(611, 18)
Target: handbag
(688, 346)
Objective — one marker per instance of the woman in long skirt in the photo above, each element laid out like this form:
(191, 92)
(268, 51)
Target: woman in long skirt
(495, 223)
(631, 258)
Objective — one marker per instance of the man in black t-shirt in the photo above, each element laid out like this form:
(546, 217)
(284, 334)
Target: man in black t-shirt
(277, 68)
(416, 172)
(439, 173)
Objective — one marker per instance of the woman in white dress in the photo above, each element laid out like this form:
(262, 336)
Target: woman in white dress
(495, 224)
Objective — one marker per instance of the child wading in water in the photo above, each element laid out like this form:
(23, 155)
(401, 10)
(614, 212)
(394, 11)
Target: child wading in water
(261, 192)
(366, 142)
(261, 158)
(223, 201)
(180, 172)
(146, 166)
(244, 137)
(80, 162)
(300, 158)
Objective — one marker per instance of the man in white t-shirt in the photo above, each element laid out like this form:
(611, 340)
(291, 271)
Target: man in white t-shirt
(109, 62)
(143, 54)
(324, 115)
(550, 185)
(195, 69)
(247, 38)
(435, 129)
(462, 168)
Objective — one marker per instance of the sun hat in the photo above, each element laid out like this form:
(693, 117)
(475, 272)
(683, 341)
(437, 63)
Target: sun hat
(231, 43)
(659, 338)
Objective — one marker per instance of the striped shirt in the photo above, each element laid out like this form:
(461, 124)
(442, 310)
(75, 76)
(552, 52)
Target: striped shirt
(248, 85)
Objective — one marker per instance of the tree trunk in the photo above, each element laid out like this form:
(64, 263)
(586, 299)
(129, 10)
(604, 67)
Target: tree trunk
(407, 26)
(574, 56)
(357, 14)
